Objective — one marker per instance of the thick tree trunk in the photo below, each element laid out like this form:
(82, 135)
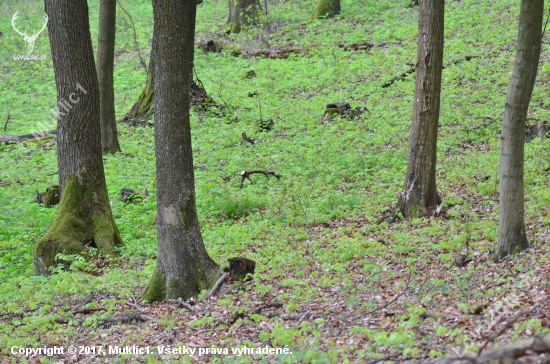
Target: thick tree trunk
(242, 12)
(420, 190)
(105, 60)
(183, 267)
(84, 216)
(326, 9)
(511, 226)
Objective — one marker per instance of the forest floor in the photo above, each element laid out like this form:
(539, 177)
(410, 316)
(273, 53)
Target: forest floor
(332, 284)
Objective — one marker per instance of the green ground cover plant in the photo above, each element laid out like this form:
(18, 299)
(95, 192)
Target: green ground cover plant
(338, 284)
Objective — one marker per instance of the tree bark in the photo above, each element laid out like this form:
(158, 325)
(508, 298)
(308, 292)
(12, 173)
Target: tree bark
(420, 190)
(105, 60)
(144, 107)
(183, 266)
(511, 226)
(84, 217)
(242, 12)
(326, 9)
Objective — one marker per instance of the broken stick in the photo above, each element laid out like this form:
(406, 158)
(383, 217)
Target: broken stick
(246, 175)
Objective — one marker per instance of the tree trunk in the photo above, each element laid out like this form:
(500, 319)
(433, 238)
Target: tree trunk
(420, 190)
(326, 9)
(144, 107)
(242, 12)
(84, 217)
(105, 60)
(511, 226)
(183, 266)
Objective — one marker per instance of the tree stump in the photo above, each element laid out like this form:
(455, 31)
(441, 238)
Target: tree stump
(240, 267)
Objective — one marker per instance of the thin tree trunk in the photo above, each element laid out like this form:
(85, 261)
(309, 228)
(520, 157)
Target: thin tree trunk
(105, 60)
(511, 226)
(420, 190)
(326, 8)
(84, 217)
(242, 12)
(183, 266)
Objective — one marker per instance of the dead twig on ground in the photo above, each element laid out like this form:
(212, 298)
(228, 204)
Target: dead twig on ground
(217, 285)
(513, 321)
(387, 304)
(247, 174)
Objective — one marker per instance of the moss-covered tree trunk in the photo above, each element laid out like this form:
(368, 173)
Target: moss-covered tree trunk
(84, 217)
(144, 107)
(420, 190)
(511, 224)
(326, 9)
(242, 12)
(105, 60)
(183, 266)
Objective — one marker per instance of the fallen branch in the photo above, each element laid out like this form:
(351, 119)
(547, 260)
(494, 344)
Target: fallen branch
(217, 285)
(513, 321)
(21, 138)
(248, 139)
(111, 320)
(401, 77)
(182, 304)
(538, 344)
(294, 316)
(246, 175)
(255, 311)
(389, 303)
(141, 61)
(8, 118)
(87, 311)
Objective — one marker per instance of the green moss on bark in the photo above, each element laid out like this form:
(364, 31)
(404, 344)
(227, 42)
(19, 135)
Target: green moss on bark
(160, 287)
(326, 9)
(156, 289)
(84, 217)
(144, 107)
(233, 28)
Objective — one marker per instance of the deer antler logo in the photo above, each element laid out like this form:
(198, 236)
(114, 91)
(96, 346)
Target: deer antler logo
(30, 39)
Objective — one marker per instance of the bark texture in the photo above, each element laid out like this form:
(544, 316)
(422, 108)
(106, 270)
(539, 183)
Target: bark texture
(420, 190)
(84, 217)
(144, 108)
(242, 12)
(326, 9)
(183, 266)
(511, 226)
(105, 60)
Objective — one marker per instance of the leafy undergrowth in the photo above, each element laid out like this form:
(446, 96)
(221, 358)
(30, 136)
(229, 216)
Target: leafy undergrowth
(331, 284)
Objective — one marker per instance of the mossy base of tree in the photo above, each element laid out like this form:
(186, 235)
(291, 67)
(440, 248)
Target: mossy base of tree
(416, 205)
(512, 246)
(160, 289)
(144, 108)
(325, 9)
(84, 219)
(232, 28)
